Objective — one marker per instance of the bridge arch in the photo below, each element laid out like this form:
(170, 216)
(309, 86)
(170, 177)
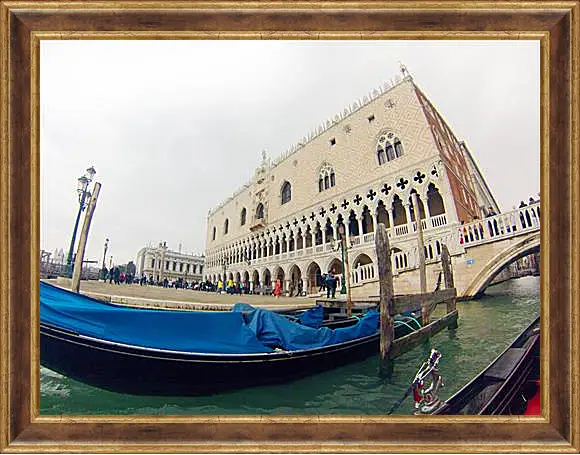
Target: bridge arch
(523, 247)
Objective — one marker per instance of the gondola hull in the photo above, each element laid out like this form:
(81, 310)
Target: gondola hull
(142, 371)
(158, 352)
(505, 386)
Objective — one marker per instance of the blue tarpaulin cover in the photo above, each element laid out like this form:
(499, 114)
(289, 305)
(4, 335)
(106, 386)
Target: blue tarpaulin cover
(277, 331)
(247, 330)
(313, 317)
(188, 331)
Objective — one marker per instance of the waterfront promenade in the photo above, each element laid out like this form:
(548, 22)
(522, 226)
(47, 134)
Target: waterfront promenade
(159, 297)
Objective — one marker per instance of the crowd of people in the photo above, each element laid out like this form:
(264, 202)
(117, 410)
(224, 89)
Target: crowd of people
(327, 282)
(115, 275)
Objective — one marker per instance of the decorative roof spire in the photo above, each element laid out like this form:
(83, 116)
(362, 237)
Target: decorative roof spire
(404, 70)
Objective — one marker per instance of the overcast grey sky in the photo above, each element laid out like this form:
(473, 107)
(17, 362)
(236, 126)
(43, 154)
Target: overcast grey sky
(174, 127)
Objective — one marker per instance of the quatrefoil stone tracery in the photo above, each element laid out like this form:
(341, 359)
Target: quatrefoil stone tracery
(402, 183)
(419, 177)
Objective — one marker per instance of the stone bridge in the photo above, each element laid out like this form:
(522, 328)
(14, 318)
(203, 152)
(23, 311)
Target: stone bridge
(483, 262)
(479, 252)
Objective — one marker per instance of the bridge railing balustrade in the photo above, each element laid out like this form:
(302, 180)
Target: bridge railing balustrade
(506, 224)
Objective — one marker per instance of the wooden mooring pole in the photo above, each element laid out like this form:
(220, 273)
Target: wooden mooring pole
(347, 276)
(386, 298)
(76, 278)
(449, 282)
(425, 312)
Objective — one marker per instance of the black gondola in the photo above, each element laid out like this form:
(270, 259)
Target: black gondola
(507, 385)
(127, 367)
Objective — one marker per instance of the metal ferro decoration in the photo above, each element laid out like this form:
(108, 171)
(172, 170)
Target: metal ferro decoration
(426, 398)
(84, 194)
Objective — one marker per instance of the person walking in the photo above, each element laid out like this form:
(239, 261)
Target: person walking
(277, 289)
(322, 283)
(330, 285)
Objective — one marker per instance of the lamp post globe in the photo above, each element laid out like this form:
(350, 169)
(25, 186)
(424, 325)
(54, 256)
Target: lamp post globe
(91, 173)
(83, 183)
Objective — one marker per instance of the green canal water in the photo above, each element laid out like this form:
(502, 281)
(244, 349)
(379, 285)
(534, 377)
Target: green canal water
(486, 327)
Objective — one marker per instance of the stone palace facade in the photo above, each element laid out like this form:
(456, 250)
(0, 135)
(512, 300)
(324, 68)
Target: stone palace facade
(160, 262)
(356, 170)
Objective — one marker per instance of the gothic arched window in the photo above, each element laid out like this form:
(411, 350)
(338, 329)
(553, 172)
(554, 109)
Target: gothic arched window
(286, 192)
(214, 232)
(435, 201)
(226, 226)
(390, 152)
(243, 217)
(398, 148)
(389, 148)
(326, 177)
(381, 156)
(260, 211)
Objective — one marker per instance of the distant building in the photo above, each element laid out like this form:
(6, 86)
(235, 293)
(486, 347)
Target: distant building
(160, 262)
(356, 170)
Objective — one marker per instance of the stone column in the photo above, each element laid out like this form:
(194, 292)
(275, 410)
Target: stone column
(427, 212)
(391, 220)
(409, 221)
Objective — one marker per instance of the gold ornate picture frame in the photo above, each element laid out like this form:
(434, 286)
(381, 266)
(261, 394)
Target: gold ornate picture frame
(24, 24)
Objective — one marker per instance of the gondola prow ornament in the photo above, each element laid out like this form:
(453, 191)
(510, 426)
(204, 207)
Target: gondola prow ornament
(426, 399)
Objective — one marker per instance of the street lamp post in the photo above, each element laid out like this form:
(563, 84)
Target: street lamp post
(82, 189)
(104, 255)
